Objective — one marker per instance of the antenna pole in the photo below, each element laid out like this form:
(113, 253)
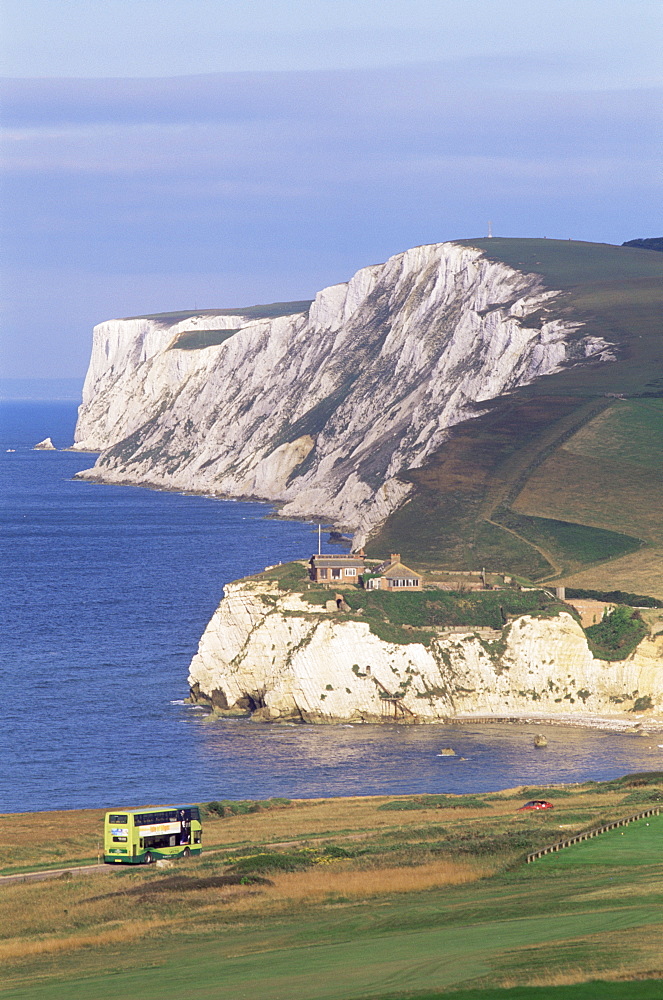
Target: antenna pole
(490, 229)
(319, 542)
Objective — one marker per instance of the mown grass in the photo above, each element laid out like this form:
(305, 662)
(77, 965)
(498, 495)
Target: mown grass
(382, 904)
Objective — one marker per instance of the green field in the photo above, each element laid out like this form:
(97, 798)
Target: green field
(636, 844)
(562, 479)
(355, 898)
(269, 311)
(194, 340)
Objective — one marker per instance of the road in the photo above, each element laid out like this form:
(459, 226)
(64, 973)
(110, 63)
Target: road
(54, 873)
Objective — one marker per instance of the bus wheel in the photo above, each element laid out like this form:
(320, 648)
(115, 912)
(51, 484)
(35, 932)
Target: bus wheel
(186, 853)
(147, 860)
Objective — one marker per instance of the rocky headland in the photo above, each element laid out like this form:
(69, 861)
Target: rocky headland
(280, 655)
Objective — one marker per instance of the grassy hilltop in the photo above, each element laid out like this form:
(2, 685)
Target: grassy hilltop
(561, 479)
(338, 899)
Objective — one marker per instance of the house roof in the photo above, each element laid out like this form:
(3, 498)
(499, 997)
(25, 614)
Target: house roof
(399, 570)
(338, 562)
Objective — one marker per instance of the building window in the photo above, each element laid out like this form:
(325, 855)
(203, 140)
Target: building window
(349, 572)
(323, 574)
(336, 574)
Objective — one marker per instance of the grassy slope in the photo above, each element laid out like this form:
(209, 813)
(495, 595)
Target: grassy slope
(269, 311)
(429, 899)
(559, 480)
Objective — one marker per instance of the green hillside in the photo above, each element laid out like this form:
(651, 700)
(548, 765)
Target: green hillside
(269, 311)
(561, 480)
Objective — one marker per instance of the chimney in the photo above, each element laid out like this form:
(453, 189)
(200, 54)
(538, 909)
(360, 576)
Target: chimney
(395, 557)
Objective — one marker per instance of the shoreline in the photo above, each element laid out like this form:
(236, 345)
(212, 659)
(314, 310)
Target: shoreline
(277, 505)
(636, 725)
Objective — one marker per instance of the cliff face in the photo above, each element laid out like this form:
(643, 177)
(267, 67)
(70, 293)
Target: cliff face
(283, 658)
(322, 409)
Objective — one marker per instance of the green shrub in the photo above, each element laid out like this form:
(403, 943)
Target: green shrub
(614, 597)
(228, 807)
(272, 862)
(332, 851)
(480, 842)
(543, 793)
(434, 802)
(641, 778)
(288, 576)
(644, 797)
(617, 635)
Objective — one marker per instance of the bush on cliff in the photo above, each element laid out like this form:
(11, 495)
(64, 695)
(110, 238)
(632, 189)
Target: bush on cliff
(617, 635)
(614, 596)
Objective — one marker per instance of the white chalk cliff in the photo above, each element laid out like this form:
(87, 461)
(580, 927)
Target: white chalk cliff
(321, 410)
(271, 652)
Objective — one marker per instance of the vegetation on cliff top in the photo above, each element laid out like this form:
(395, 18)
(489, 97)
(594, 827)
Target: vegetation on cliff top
(268, 311)
(617, 635)
(416, 616)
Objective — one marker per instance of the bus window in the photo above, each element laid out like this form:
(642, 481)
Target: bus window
(120, 818)
(119, 840)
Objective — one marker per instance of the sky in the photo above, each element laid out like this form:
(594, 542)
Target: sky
(207, 153)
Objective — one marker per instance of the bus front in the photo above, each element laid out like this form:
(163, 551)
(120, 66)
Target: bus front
(119, 842)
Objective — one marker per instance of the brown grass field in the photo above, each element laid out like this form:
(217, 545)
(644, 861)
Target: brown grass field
(397, 869)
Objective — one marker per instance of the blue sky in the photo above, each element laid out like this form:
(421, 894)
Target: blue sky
(190, 153)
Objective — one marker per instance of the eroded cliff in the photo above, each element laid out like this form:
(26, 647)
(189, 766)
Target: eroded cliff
(273, 653)
(322, 408)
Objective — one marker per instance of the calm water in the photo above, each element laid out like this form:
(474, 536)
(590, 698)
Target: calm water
(105, 592)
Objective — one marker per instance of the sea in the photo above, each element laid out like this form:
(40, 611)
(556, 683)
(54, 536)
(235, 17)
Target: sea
(104, 594)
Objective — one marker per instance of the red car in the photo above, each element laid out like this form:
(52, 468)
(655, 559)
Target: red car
(536, 804)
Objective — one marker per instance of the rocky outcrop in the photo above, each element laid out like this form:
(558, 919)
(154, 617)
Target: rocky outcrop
(45, 445)
(280, 657)
(322, 409)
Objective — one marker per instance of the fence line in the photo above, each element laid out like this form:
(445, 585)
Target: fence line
(591, 833)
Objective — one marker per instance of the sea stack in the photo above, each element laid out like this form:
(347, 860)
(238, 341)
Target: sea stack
(45, 445)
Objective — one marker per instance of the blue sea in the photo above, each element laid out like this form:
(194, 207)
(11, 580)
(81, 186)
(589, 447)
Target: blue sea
(104, 593)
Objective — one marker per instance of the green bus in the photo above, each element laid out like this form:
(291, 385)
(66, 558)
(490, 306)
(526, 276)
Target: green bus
(140, 836)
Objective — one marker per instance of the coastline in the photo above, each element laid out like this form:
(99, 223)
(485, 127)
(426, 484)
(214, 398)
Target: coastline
(636, 725)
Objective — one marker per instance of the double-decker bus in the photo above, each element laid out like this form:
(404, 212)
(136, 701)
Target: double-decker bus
(140, 836)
